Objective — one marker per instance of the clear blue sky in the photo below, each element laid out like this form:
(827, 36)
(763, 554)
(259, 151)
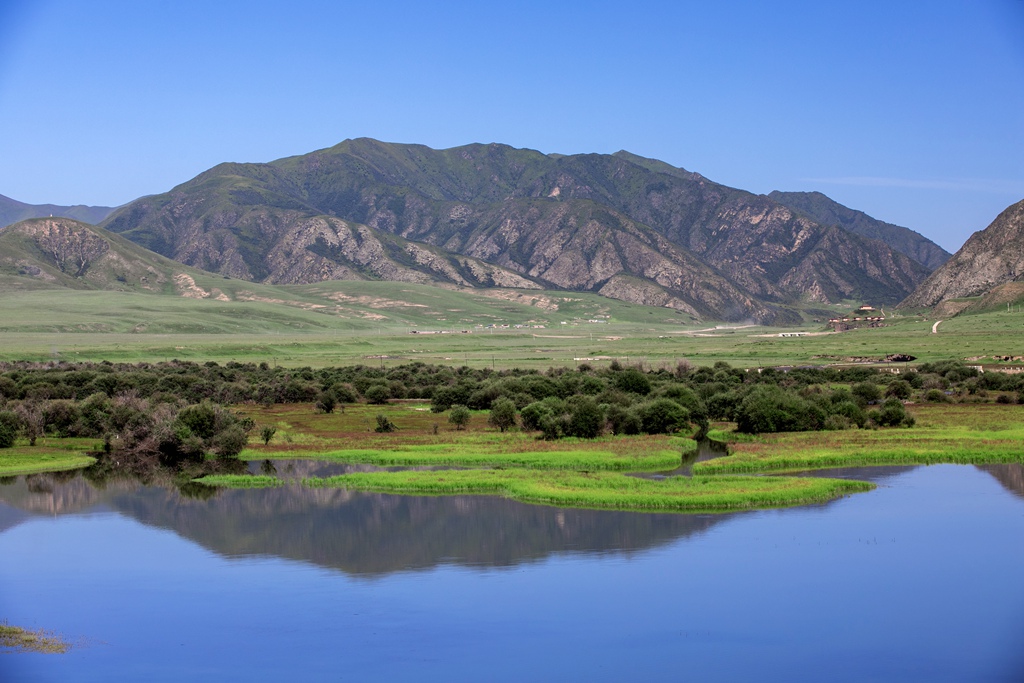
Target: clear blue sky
(912, 112)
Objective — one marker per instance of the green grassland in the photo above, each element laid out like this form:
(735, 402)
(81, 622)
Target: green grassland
(305, 434)
(961, 434)
(48, 455)
(340, 323)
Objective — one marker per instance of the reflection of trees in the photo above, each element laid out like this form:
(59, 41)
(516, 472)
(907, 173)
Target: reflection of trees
(73, 491)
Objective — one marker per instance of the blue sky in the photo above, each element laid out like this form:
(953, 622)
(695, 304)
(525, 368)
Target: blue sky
(912, 112)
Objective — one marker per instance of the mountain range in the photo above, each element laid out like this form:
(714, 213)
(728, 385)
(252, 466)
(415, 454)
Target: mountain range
(484, 216)
(620, 225)
(12, 211)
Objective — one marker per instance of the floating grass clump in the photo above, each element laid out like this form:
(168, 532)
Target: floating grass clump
(23, 640)
(605, 490)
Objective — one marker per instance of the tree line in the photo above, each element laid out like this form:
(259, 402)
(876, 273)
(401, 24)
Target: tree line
(178, 409)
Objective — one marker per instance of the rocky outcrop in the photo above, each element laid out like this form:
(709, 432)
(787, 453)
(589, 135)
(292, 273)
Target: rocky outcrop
(71, 248)
(990, 258)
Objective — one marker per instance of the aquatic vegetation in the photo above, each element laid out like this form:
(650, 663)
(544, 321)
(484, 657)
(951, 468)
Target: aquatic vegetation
(458, 455)
(23, 640)
(605, 490)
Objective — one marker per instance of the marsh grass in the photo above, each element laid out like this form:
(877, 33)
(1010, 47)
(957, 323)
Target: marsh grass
(957, 434)
(49, 455)
(416, 444)
(17, 639)
(602, 490)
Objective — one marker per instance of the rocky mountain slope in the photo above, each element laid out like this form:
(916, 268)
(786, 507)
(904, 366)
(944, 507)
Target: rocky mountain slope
(12, 211)
(990, 258)
(621, 225)
(822, 209)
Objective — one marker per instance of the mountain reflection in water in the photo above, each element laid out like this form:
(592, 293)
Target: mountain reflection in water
(358, 533)
(365, 533)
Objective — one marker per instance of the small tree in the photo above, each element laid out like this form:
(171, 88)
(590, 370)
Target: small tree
(459, 416)
(384, 425)
(267, 433)
(503, 414)
(326, 402)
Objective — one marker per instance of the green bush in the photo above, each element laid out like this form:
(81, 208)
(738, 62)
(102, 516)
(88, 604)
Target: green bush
(663, 416)
(503, 414)
(9, 426)
(769, 409)
(632, 381)
(892, 414)
(459, 416)
(586, 419)
(377, 394)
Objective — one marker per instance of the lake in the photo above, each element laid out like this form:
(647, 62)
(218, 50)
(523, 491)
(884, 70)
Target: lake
(918, 580)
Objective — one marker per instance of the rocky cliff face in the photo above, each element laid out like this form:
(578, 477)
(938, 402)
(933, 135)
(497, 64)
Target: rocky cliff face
(826, 211)
(990, 258)
(624, 226)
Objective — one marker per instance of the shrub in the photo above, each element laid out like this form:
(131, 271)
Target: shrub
(769, 409)
(384, 425)
(586, 420)
(533, 414)
(633, 381)
(866, 392)
(459, 416)
(935, 396)
(230, 442)
(326, 402)
(503, 414)
(663, 416)
(900, 389)
(378, 394)
(9, 426)
(623, 420)
(267, 433)
(892, 414)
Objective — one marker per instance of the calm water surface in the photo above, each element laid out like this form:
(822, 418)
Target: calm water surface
(919, 580)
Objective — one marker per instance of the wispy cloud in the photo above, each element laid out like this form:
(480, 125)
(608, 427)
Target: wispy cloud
(1014, 187)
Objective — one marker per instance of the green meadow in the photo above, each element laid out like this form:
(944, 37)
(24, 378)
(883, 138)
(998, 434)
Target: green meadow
(48, 455)
(962, 434)
(341, 323)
